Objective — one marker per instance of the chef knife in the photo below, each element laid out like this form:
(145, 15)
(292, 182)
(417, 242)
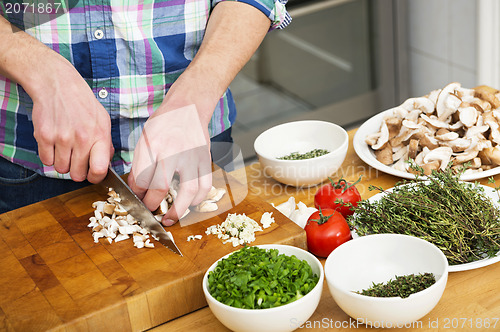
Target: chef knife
(136, 208)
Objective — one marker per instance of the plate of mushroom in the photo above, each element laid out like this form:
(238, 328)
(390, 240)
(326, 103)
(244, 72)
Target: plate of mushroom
(449, 127)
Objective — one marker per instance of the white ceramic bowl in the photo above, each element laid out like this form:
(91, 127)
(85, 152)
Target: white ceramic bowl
(284, 318)
(302, 137)
(356, 264)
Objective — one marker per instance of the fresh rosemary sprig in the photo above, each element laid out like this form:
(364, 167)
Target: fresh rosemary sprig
(401, 286)
(454, 215)
(308, 155)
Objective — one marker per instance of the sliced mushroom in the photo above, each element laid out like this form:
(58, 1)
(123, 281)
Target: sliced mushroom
(475, 131)
(451, 104)
(475, 162)
(404, 136)
(441, 154)
(490, 155)
(445, 105)
(427, 168)
(481, 105)
(419, 159)
(400, 154)
(428, 141)
(384, 155)
(410, 124)
(458, 145)
(465, 94)
(422, 104)
(435, 122)
(446, 135)
(433, 95)
(384, 137)
(372, 138)
(488, 94)
(491, 121)
(465, 156)
(413, 148)
(468, 116)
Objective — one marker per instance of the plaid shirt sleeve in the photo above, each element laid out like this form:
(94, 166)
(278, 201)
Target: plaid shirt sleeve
(129, 53)
(274, 9)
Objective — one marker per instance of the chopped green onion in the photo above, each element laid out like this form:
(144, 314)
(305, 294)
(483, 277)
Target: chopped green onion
(255, 278)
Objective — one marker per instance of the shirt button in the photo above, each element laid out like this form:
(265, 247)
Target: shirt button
(98, 34)
(103, 93)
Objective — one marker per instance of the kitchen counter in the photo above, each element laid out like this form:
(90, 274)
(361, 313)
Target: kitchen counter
(54, 277)
(471, 300)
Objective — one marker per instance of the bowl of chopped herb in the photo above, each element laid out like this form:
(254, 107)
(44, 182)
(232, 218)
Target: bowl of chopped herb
(386, 280)
(264, 288)
(302, 153)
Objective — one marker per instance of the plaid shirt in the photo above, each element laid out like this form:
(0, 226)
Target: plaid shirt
(129, 53)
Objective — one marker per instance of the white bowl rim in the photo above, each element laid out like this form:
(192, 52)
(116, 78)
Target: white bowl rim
(442, 278)
(345, 141)
(285, 306)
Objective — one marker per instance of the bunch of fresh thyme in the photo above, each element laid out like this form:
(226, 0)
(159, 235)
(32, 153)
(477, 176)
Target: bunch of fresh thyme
(454, 215)
(401, 286)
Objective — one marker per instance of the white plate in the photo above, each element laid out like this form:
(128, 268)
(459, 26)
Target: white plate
(366, 154)
(489, 192)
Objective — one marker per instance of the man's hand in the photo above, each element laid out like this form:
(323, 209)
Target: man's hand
(172, 141)
(72, 129)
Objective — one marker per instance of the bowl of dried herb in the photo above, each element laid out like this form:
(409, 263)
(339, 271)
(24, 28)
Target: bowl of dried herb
(387, 280)
(302, 153)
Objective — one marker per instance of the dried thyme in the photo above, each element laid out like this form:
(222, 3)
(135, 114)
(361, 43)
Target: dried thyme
(454, 215)
(308, 155)
(401, 286)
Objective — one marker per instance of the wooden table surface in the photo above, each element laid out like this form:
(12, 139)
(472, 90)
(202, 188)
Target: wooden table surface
(471, 300)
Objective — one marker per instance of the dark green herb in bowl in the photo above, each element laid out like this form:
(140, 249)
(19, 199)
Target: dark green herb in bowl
(255, 278)
(308, 155)
(401, 286)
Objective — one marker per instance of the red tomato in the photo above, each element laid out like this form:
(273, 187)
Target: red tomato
(338, 196)
(326, 229)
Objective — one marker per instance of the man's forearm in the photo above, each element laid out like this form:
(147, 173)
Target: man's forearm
(234, 32)
(24, 59)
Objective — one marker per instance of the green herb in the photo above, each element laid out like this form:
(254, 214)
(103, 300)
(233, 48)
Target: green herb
(401, 286)
(254, 278)
(308, 155)
(454, 215)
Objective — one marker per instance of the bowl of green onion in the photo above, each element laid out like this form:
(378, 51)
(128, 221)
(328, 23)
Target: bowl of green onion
(264, 288)
(386, 280)
(302, 153)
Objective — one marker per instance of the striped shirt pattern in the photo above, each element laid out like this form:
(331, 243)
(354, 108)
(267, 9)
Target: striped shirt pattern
(129, 53)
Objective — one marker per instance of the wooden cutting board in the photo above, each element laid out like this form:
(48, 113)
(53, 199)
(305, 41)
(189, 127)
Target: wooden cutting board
(53, 275)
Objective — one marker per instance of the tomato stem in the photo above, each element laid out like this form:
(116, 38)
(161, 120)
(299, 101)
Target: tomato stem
(343, 184)
(322, 218)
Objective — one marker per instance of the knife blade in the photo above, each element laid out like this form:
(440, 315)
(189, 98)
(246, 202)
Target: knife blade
(135, 207)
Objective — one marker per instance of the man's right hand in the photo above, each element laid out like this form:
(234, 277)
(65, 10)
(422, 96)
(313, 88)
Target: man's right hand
(72, 129)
